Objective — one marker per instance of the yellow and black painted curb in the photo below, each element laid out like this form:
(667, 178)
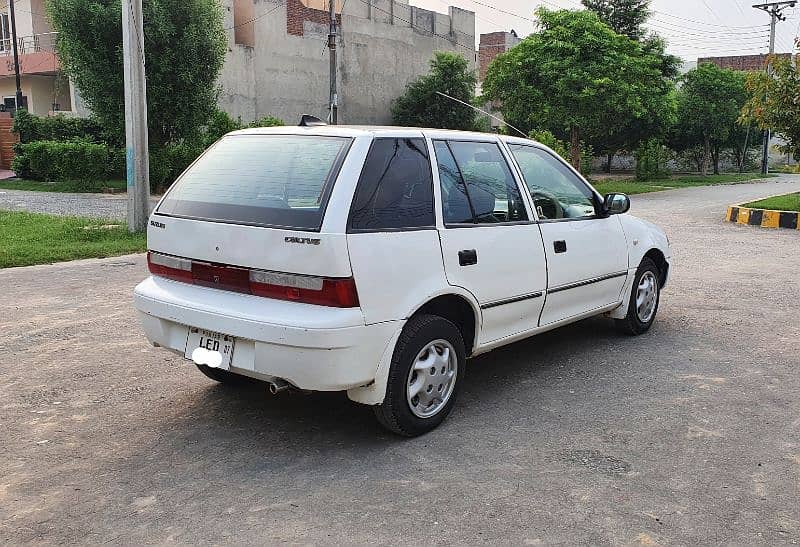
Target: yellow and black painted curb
(766, 218)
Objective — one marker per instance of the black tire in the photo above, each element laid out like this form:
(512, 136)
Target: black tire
(223, 376)
(395, 413)
(632, 325)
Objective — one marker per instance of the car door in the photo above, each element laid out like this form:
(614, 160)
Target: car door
(587, 253)
(490, 245)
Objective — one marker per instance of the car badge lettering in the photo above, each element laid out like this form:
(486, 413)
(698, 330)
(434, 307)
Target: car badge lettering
(302, 240)
(157, 224)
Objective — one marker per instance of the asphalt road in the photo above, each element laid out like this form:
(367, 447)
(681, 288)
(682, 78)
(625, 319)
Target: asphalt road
(689, 434)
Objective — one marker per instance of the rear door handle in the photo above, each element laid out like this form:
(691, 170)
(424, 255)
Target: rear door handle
(468, 257)
(560, 246)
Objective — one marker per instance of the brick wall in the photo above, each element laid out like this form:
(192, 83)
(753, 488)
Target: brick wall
(297, 14)
(491, 45)
(746, 63)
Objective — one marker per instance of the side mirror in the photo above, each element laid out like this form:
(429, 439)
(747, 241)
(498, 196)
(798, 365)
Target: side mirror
(616, 204)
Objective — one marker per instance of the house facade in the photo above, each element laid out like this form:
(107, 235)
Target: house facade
(45, 88)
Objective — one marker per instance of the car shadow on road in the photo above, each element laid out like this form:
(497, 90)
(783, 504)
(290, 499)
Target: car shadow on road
(240, 414)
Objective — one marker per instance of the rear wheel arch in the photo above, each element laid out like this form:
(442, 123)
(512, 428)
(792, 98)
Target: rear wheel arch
(458, 310)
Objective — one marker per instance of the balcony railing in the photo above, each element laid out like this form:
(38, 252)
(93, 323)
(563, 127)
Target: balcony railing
(29, 44)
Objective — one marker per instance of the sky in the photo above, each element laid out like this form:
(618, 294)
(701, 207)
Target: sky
(693, 28)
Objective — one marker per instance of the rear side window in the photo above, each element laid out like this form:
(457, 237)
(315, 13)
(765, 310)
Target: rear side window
(477, 184)
(395, 189)
(266, 180)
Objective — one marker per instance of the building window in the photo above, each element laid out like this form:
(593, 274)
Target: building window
(10, 103)
(5, 33)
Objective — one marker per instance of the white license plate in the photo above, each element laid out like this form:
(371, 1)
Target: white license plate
(205, 347)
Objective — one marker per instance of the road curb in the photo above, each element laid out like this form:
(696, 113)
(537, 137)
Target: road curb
(764, 218)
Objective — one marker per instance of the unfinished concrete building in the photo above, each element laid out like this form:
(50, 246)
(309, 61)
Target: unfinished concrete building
(277, 62)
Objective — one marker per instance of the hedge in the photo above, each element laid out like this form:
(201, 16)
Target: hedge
(32, 128)
(69, 160)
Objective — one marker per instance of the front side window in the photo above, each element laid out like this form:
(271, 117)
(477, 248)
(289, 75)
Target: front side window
(556, 192)
(477, 184)
(395, 190)
(268, 180)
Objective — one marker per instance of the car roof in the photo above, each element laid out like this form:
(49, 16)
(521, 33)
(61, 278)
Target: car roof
(372, 130)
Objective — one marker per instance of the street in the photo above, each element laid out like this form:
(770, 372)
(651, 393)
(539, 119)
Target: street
(689, 434)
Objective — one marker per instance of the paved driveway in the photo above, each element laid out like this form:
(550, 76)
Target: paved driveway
(689, 434)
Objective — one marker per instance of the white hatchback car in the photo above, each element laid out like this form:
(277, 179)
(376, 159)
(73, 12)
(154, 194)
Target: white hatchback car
(377, 260)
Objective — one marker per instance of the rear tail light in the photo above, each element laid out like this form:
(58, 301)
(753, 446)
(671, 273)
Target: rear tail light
(337, 292)
(322, 291)
(168, 266)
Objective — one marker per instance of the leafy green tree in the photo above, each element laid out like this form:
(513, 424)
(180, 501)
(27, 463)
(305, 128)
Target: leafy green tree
(184, 47)
(574, 77)
(628, 17)
(709, 105)
(624, 16)
(421, 106)
(772, 101)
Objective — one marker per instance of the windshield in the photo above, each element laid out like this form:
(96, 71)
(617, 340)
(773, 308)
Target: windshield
(266, 180)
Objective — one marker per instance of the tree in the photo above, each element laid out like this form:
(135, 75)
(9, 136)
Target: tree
(709, 104)
(772, 102)
(623, 16)
(421, 106)
(628, 17)
(574, 77)
(184, 47)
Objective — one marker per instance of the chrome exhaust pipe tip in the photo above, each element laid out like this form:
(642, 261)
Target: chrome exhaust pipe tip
(278, 387)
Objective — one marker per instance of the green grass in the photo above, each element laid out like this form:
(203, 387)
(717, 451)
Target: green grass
(65, 186)
(789, 202)
(630, 186)
(33, 238)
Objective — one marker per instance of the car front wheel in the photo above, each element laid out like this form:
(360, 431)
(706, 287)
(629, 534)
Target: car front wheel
(644, 299)
(427, 366)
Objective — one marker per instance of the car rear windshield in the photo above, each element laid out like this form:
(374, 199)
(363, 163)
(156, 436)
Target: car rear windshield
(265, 180)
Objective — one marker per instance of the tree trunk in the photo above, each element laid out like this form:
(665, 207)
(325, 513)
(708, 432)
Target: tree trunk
(706, 155)
(610, 159)
(743, 158)
(715, 159)
(575, 148)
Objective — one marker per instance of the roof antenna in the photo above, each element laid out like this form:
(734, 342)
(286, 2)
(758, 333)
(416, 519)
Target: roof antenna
(307, 120)
(482, 112)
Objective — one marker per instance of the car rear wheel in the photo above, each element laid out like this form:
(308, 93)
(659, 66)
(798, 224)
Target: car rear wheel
(644, 299)
(424, 376)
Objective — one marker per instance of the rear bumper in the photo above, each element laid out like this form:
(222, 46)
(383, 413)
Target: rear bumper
(311, 347)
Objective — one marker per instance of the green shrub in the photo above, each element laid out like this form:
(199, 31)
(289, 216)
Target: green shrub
(222, 123)
(562, 148)
(651, 161)
(219, 124)
(267, 121)
(168, 162)
(33, 128)
(551, 141)
(70, 160)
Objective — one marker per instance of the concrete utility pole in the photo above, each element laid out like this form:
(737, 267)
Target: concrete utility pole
(18, 101)
(135, 116)
(775, 10)
(334, 98)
